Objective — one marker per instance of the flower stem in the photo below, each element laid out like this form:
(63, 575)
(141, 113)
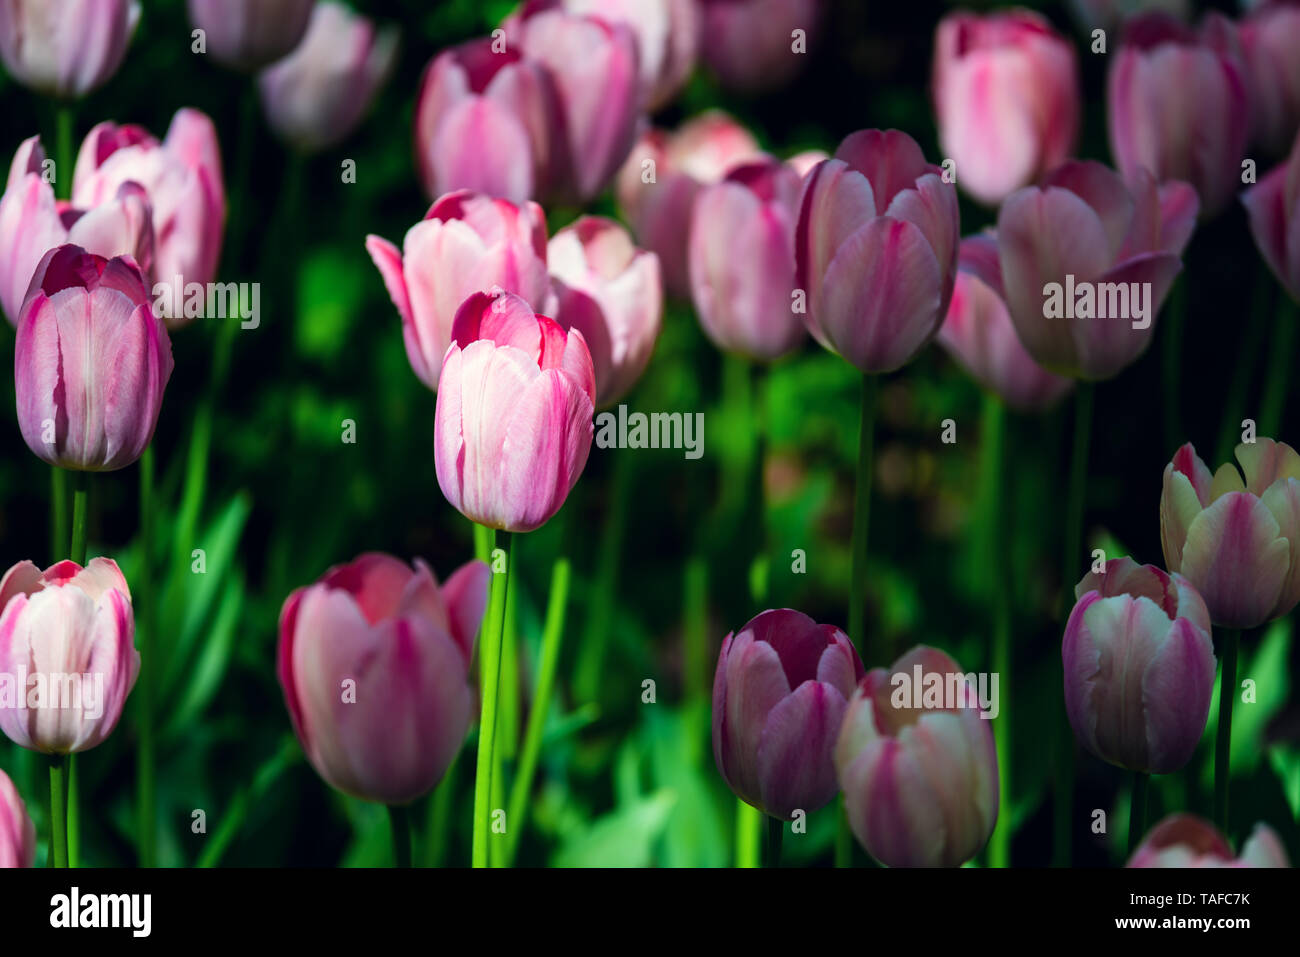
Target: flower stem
(1137, 814)
(78, 548)
(772, 849)
(435, 844)
(994, 448)
(58, 810)
(695, 639)
(400, 819)
(595, 636)
(749, 828)
(861, 512)
(74, 814)
(63, 146)
(1223, 744)
(146, 630)
(490, 664)
(58, 511)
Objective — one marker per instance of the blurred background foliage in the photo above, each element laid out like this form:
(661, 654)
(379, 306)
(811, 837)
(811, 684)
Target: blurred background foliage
(620, 781)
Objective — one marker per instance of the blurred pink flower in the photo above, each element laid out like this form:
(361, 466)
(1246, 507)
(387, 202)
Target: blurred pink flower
(1273, 205)
(750, 44)
(667, 35)
(17, 833)
(1270, 45)
(65, 48)
(1184, 840)
(250, 34)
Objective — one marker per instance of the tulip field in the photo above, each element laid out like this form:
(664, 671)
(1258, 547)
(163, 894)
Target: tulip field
(649, 433)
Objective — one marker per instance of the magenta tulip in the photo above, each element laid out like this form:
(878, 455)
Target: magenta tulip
(17, 833)
(664, 173)
(512, 427)
(486, 120)
(250, 34)
(876, 247)
(67, 646)
(667, 38)
(91, 362)
(65, 48)
(779, 693)
(32, 223)
(1184, 840)
(466, 243)
(318, 94)
(1273, 205)
(1177, 106)
(374, 663)
(919, 769)
(752, 44)
(1006, 92)
(741, 255)
(609, 291)
(978, 332)
(1237, 542)
(1270, 39)
(1083, 238)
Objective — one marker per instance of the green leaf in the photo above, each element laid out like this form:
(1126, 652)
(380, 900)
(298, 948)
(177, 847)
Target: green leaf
(624, 838)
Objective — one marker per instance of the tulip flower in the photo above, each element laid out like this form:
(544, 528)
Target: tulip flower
(67, 645)
(182, 178)
(512, 426)
(17, 833)
(978, 332)
(919, 770)
(1139, 666)
(1184, 840)
(751, 44)
(466, 243)
(1177, 106)
(250, 34)
(779, 692)
(374, 663)
(1270, 37)
(32, 223)
(65, 48)
(1237, 542)
(667, 39)
(609, 291)
(90, 362)
(741, 255)
(876, 247)
(1084, 231)
(1006, 91)
(1273, 205)
(318, 94)
(664, 173)
(485, 120)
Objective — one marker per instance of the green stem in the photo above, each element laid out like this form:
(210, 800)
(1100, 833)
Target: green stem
(1281, 361)
(59, 511)
(435, 846)
(74, 815)
(400, 819)
(1138, 810)
(695, 641)
(80, 481)
(58, 810)
(490, 664)
(146, 823)
(772, 849)
(994, 447)
(861, 513)
(507, 719)
(1223, 744)
(63, 146)
(749, 829)
(760, 568)
(595, 636)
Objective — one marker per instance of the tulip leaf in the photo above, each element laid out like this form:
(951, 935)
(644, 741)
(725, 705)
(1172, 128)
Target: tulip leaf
(213, 661)
(1266, 669)
(624, 838)
(1286, 764)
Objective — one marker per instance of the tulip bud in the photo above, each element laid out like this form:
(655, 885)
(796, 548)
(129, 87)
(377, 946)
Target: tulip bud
(1006, 92)
(779, 693)
(512, 427)
(466, 243)
(250, 34)
(752, 44)
(1270, 37)
(374, 664)
(1139, 667)
(318, 94)
(609, 291)
(90, 362)
(1084, 229)
(17, 833)
(667, 38)
(67, 640)
(1273, 205)
(920, 783)
(65, 48)
(876, 247)
(741, 255)
(1237, 542)
(1184, 840)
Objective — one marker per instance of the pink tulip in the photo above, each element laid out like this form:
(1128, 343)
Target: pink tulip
(1184, 840)
(978, 332)
(318, 94)
(466, 243)
(1139, 666)
(486, 120)
(1270, 39)
(664, 173)
(65, 48)
(1084, 226)
(609, 291)
(1273, 205)
(67, 638)
(182, 178)
(876, 247)
(250, 34)
(1006, 91)
(17, 833)
(374, 664)
(749, 43)
(741, 254)
(1177, 106)
(805, 161)
(667, 37)
(32, 223)
(779, 693)
(90, 362)
(920, 783)
(512, 427)
(1237, 542)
